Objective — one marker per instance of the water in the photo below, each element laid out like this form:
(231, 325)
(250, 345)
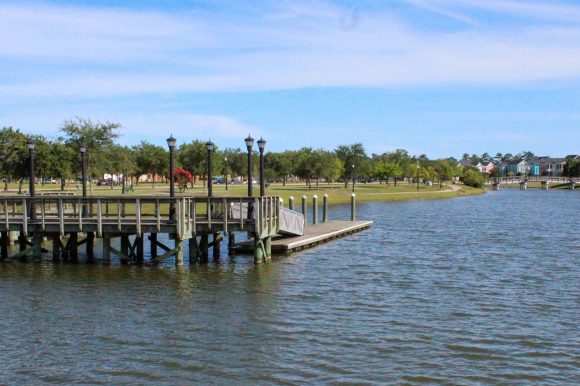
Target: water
(475, 290)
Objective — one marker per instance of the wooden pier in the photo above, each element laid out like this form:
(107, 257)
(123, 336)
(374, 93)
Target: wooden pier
(70, 222)
(313, 235)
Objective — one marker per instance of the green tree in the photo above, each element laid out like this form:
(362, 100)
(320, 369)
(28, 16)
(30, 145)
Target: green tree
(14, 156)
(62, 158)
(354, 154)
(151, 159)
(444, 170)
(99, 139)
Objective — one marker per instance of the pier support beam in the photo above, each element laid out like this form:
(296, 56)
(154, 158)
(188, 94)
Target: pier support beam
(72, 244)
(545, 185)
(523, 185)
(139, 250)
(22, 240)
(193, 250)
(56, 248)
(90, 247)
(231, 242)
(106, 249)
(573, 185)
(217, 247)
(178, 251)
(268, 248)
(125, 247)
(258, 250)
(4, 241)
(204, 246)
(37, 246)
(153, 245)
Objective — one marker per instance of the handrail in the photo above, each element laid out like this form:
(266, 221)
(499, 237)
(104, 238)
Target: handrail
(136, 211)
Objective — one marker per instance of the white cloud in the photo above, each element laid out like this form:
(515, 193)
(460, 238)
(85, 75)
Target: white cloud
(91, 52)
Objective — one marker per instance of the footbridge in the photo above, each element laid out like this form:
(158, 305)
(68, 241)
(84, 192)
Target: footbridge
(523, 181)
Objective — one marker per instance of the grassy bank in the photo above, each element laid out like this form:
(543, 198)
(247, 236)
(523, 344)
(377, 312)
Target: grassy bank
(337, 193)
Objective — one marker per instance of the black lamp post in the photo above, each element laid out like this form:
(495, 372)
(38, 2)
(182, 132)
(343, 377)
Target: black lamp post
(32, 155)
(210, 147)
(83, 150)
(249, 145)
(352, 177)
(226, 170)
(171, 143)
(261, 146)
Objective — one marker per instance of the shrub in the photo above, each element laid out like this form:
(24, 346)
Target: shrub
(473, 178)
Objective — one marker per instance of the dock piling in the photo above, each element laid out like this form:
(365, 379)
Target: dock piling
(315, 209)
(305, 210)
(178, 251)
(153, 245)
(106, 249)
(291, 203)
(90, 246)
(325, 208)
(4, 241)
(56, 247)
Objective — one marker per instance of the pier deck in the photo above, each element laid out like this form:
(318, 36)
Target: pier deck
(313, 235)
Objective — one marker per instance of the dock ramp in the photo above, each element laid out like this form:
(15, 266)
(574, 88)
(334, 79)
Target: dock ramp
(291, 222)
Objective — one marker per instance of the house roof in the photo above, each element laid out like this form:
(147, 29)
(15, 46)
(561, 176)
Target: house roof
(548, 160)
(466, 162)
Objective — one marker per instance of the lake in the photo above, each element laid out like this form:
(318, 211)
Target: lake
(473, 290)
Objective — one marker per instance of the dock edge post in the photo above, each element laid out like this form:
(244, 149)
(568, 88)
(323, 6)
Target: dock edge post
(325, 208)
(305, 210)
(315, 209)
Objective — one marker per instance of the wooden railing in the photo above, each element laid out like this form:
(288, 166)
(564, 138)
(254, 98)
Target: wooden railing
(140, 214)
(518, 179)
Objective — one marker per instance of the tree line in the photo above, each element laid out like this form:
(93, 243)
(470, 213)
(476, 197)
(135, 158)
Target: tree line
(59, 158)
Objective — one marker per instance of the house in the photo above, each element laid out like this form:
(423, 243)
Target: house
(534, 167)
(487, 166)
(551, 166)
(515, 168)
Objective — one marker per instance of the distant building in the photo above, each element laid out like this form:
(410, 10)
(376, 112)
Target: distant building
(487, 166)
(465, 163)
(515, 168)
(551, 166)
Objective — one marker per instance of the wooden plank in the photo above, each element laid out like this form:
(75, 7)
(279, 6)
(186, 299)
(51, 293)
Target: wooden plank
(313, 235)
(320, 233)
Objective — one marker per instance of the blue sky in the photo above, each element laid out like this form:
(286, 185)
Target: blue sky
(439, 77)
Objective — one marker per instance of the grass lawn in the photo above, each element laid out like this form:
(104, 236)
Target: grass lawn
(337, 193)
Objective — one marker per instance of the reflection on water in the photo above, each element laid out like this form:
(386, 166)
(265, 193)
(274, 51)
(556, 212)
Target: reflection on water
(472, 290)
